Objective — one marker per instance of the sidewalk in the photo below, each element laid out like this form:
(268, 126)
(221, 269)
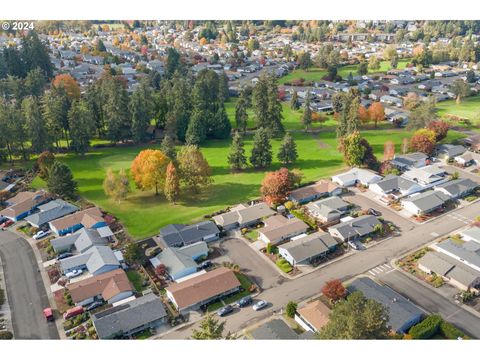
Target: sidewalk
(5, 308)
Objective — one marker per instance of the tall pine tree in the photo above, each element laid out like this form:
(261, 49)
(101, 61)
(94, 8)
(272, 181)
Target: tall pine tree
(287, 154)
(261, 156)
(236, 158)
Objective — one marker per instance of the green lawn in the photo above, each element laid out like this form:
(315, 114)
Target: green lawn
(468, 108)
(136, 279)
(316, 74)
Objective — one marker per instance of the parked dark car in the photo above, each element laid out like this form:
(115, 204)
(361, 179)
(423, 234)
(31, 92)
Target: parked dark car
(205, 265)
(225, 310)
(245, 301)
(2, 220)
(94, 305)
(64, 256)
(374, 212)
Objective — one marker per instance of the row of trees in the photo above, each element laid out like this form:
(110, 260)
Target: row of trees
(261, 155)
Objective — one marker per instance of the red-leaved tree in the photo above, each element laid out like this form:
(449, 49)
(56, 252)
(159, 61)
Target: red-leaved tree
(423, 140)
(276, 185)
(334, 290)
(440, 128)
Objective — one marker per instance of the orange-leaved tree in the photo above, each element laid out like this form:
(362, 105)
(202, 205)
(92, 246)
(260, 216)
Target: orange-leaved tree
(69, 84)
(149, 170)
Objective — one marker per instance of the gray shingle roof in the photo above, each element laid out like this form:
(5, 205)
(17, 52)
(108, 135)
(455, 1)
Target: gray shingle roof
(309, 246)
(393, 182)
(428, 200)
(361, 226)
(245, 215)
(275, 329)
(127, 317)
(175, 260)
(179, 234)
(458, 187)
(400, 310)
(469, 251)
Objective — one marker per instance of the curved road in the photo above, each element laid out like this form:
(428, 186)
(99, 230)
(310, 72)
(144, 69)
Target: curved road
(26, 292)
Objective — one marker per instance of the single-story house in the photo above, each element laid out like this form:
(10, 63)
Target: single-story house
(458, 188)
(355, 228)
(96, 260)
(313, 316)
(455, 272)
(5, 186)
(467, 158)
(328, 210)
(308, 248)
(425, 203)
(356, 176)
(111, 287)
(449, 151)
(471, 234)
(275, 329)
(179, 262)
(467, 253)
(50, 211)
(316, 191)
(82, 240)
(396, 186)
(409, 161)
(427, 175)
(473, 142)
(177, 235)
(200, 290)
(130, 318)
(402, 313)
(90, 218)
(278, 228)
(243, 216)
(23, 204)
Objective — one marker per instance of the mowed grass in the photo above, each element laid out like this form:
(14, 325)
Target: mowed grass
(143, 213)
(316, 74)
(468, 108)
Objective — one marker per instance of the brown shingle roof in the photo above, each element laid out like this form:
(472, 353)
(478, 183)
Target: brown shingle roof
(108, 285)
(87, 218)
(24, 201)
(320, 187)
(316, 314)
(278, 227)
(203, 287)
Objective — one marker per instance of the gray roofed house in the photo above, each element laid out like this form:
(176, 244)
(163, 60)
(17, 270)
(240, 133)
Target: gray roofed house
(130, 318)
(468, 158)
(458, 188)
(427, 175)
(449, 151)
(471, 234)
(402, 313)
(243, 216)
(356, 176)
(329, 209)
(467, 253)
(426, 202)
(355, 228)
(452, 270)
(396, 186)
(178, 264)
(180, 235)
(409, 161)
(308, 248)
(96, 260)
(50, 211)
(82, 240)
(275, 329)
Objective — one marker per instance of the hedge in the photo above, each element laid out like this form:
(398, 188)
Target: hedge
(450, 331)
(284, 265)
(427, 328)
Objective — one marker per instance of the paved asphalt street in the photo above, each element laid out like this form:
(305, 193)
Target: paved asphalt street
(429, 300)
(26, 292)
(309, 285)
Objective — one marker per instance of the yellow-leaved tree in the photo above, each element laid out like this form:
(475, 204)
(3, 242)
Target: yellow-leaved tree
(149, 170)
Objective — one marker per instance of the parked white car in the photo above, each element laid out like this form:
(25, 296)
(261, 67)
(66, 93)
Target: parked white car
(260, 305)
(74, 273)
(41, 234)
(353, 245)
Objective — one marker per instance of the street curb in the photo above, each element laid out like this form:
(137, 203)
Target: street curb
(6, 304)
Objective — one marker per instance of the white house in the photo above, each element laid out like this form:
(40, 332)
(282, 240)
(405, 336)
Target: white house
(425, 203)
(356, 176)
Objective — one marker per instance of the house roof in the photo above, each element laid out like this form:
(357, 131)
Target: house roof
(409, 159)
(469, 251)
(444, 265)
(23, 202)
(129, 316)
(275, 329)
(319, 188)
(428, 200)
(451, 150)
(93, 259)
(469, 155)
(203, 287)
(309, 246)
(393, 182)
(459, 186)
(179, 234)
(193, 250)
(244, 214)
(362, 175)
(107, 285)
(400, 310)
(278, 227)
(472, 232)
(361, 226)
(332, 204)
(175, 260)
(427, 174)
(315, 313)
(88, 218)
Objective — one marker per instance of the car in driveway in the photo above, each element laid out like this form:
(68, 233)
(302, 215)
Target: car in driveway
(225, 310)
(7, 223)
(353, 245)
(64, 255)
(73, 273)
(2, 220)
(374, 212)
(41, 234)
(245, 301)
(205, 265)
(260, 305)
(94, 305)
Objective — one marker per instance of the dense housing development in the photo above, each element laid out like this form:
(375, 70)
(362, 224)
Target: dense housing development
(271, 180)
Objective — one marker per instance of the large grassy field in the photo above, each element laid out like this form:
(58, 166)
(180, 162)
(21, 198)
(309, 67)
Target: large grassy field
(143, 213)
(316, 74)
(468, 108)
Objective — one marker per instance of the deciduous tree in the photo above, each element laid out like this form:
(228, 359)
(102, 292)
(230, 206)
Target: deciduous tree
(334, 290)
(195, 172)
(45, 162)
(276, 185)
(70, 85)
(423, 140)
(172, 184)
(376, 112)
(149, 169)
(440, 128)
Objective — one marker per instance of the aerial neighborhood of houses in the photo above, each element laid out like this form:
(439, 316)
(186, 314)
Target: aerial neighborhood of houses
(400, 238)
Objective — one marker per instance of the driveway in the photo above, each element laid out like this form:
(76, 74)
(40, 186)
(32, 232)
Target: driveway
(251, 263)
(429, 300)
(26, 292)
